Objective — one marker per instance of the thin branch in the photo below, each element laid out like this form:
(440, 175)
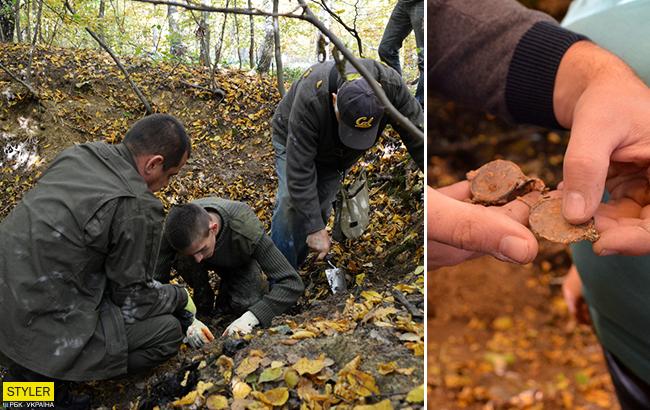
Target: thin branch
(352, 30)
(15, 78)
(415, 312)
(101, 42)
(232, 10)
(397, 116)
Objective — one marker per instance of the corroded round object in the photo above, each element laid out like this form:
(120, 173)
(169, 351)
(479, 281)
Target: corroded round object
(547, 222)
(499, 182)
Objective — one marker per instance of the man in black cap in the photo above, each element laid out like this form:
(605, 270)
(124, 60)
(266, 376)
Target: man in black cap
(320, 128)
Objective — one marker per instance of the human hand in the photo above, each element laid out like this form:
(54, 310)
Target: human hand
(624, 221)
(459, 230)
(572, 292)
(243, 325)
(320, 242)
(607, 108)
(198, 334)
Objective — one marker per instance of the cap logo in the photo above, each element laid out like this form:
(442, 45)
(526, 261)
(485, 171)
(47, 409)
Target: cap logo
(364, 122)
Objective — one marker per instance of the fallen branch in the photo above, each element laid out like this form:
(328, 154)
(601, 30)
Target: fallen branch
(101, 42)
(23, 83)
(414, 311)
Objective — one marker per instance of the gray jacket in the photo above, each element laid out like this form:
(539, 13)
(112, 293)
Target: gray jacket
(304, 122)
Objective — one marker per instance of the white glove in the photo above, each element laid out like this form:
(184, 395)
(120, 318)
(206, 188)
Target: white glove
(198, 334)
(243, 325)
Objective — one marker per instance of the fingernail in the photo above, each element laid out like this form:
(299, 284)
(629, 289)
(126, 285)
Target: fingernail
(574, 205)
(607, 252)
(514, 249)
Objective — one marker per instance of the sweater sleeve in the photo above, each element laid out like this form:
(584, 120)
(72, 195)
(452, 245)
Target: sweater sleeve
(496, 55)
(286, 285)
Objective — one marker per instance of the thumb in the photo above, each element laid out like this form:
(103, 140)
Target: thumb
(585, 170)
(477, 228)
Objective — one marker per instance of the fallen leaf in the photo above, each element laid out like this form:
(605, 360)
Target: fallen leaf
(270, 375)
(248, 366)
(216, 402)
(240, 389)
(382, 405)
(303, 334)
(274, 397)
(308, 366)
(416, 395)
(188, 399)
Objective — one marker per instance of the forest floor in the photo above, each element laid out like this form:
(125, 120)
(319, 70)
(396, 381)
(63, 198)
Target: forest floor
(362, 348)
(499, 335)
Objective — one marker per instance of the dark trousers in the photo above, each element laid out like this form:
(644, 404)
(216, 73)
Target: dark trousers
(632, 392)
(407, 16)
(152, 342)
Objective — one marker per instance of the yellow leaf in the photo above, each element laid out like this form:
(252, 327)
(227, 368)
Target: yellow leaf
(308, 366)
(502, 323)
(202, 386)
(359, 279)
(216, 402)
(240, 389)
(371, 296)
(291, 378)
(248, 366)
(408, 289)
(188, 399)
(417, 347)
(416, 395)
(386, 368)
(303, 334)
(225, 364)
(382, 405)
(274, 397)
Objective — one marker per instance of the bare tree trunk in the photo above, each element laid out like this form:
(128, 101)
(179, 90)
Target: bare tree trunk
(28, 24)
(19, 35)
(265, 52)
(203, 32)
(100, 17)
(237, 36)
(7, 23)
(251, 50)
(176, 47)
(278, 52)
(217, 49)
(31, 50)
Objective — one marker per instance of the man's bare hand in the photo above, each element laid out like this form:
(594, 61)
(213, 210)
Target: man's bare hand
(320, 242)
(458, 230)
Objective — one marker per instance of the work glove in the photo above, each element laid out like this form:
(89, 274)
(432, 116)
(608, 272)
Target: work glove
(198, 334)
(243, 325)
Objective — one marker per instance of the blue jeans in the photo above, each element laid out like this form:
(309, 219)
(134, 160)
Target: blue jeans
(288, 226)
(406, 16)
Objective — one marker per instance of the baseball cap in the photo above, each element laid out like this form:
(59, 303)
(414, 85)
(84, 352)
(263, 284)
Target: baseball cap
(360, 113)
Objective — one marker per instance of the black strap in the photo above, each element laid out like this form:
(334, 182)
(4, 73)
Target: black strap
(333, 88)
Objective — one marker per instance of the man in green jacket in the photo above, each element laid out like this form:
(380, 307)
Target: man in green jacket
(322, 126)
(227, 237)
(77, 257)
